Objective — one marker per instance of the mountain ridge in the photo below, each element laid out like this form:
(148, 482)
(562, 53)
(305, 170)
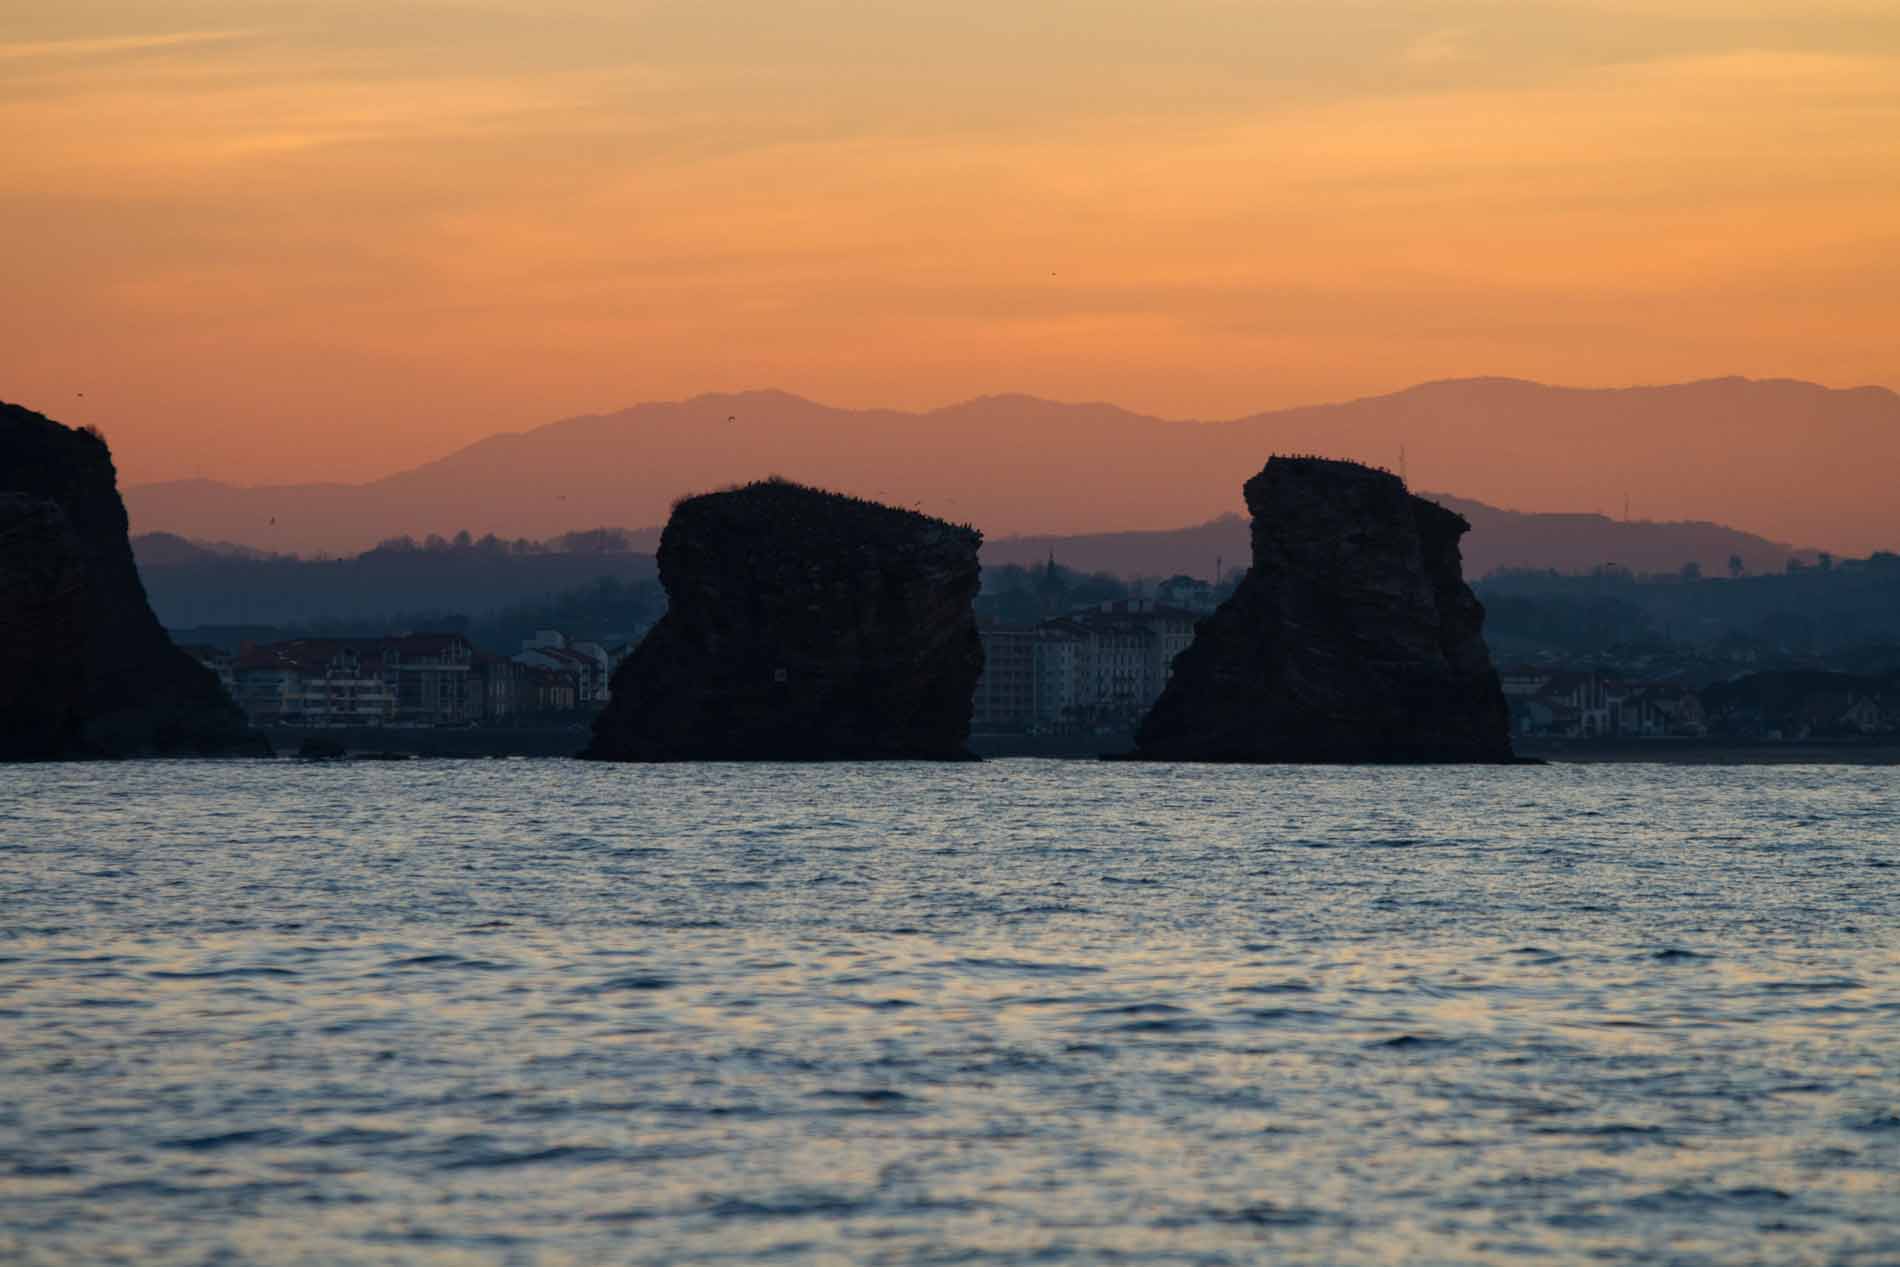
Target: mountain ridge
(1726, 450)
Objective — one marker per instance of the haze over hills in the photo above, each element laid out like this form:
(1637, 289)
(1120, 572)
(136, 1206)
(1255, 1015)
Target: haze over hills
(190, 584)
(1502, 539)
(1498, 539)
(1790, 460)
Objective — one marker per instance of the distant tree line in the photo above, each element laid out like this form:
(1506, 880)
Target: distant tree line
(1566, 622)
(1825, 606)
(380, 585)
(585, 541)
(605, 609)
(1014, 594)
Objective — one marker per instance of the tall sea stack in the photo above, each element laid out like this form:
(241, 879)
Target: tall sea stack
(1353, 638)
(85, 668)
(802, 625)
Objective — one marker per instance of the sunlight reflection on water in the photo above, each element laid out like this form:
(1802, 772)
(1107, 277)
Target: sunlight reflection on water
(547, 1012)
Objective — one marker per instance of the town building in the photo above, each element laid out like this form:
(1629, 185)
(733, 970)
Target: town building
(313, 682)
(1006, 690)
(412, 679)
(430, 674)
(589, 662)
(1098, 668)
(1189, 594)
(1568, 704)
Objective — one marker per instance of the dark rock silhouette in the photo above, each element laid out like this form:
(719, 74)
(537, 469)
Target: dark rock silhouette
(1353, 638)
(802, 625)
(85, 668)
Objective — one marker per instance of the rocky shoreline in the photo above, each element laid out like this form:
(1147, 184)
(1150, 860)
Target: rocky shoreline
(86, 670)
(806, 625)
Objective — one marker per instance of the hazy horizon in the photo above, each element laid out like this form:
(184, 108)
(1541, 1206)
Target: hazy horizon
(1791, 461)
(766, 391)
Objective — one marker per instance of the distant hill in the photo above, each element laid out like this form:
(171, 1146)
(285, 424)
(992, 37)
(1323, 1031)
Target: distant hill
(166, 549)
(1498, 539)
(1793, 461)
(1578, 543)
(207, 588)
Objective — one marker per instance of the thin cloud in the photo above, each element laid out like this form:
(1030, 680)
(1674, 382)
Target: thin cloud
(1437, 49)
(26, 50)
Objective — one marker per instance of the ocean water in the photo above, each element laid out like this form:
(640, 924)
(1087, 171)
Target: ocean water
(544, 1012)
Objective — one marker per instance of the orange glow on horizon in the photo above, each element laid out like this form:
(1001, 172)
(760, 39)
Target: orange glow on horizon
(331, 246)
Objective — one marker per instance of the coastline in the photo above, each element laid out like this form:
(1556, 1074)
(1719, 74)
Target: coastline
(1882, 750)
(468, 742)
(568, 740)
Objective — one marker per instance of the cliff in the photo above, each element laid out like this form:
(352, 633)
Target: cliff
(1353, 637)
(85, 668)
(802, 625)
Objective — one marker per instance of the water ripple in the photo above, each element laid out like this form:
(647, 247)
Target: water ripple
(1021, 1012)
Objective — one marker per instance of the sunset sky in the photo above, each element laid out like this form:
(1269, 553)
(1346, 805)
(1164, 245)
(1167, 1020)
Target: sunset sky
(325, 240)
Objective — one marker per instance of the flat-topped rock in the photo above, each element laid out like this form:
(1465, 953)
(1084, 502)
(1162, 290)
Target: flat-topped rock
(1353, 637)
(802, 625)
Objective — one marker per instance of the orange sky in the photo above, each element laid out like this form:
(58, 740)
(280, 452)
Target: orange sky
(281, 242)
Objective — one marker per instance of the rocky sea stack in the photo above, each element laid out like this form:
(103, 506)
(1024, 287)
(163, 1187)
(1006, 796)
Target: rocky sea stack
(85, 668)
(1353, 638)
(802, 625)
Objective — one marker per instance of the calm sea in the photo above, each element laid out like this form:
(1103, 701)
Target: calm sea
(542, 1012)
